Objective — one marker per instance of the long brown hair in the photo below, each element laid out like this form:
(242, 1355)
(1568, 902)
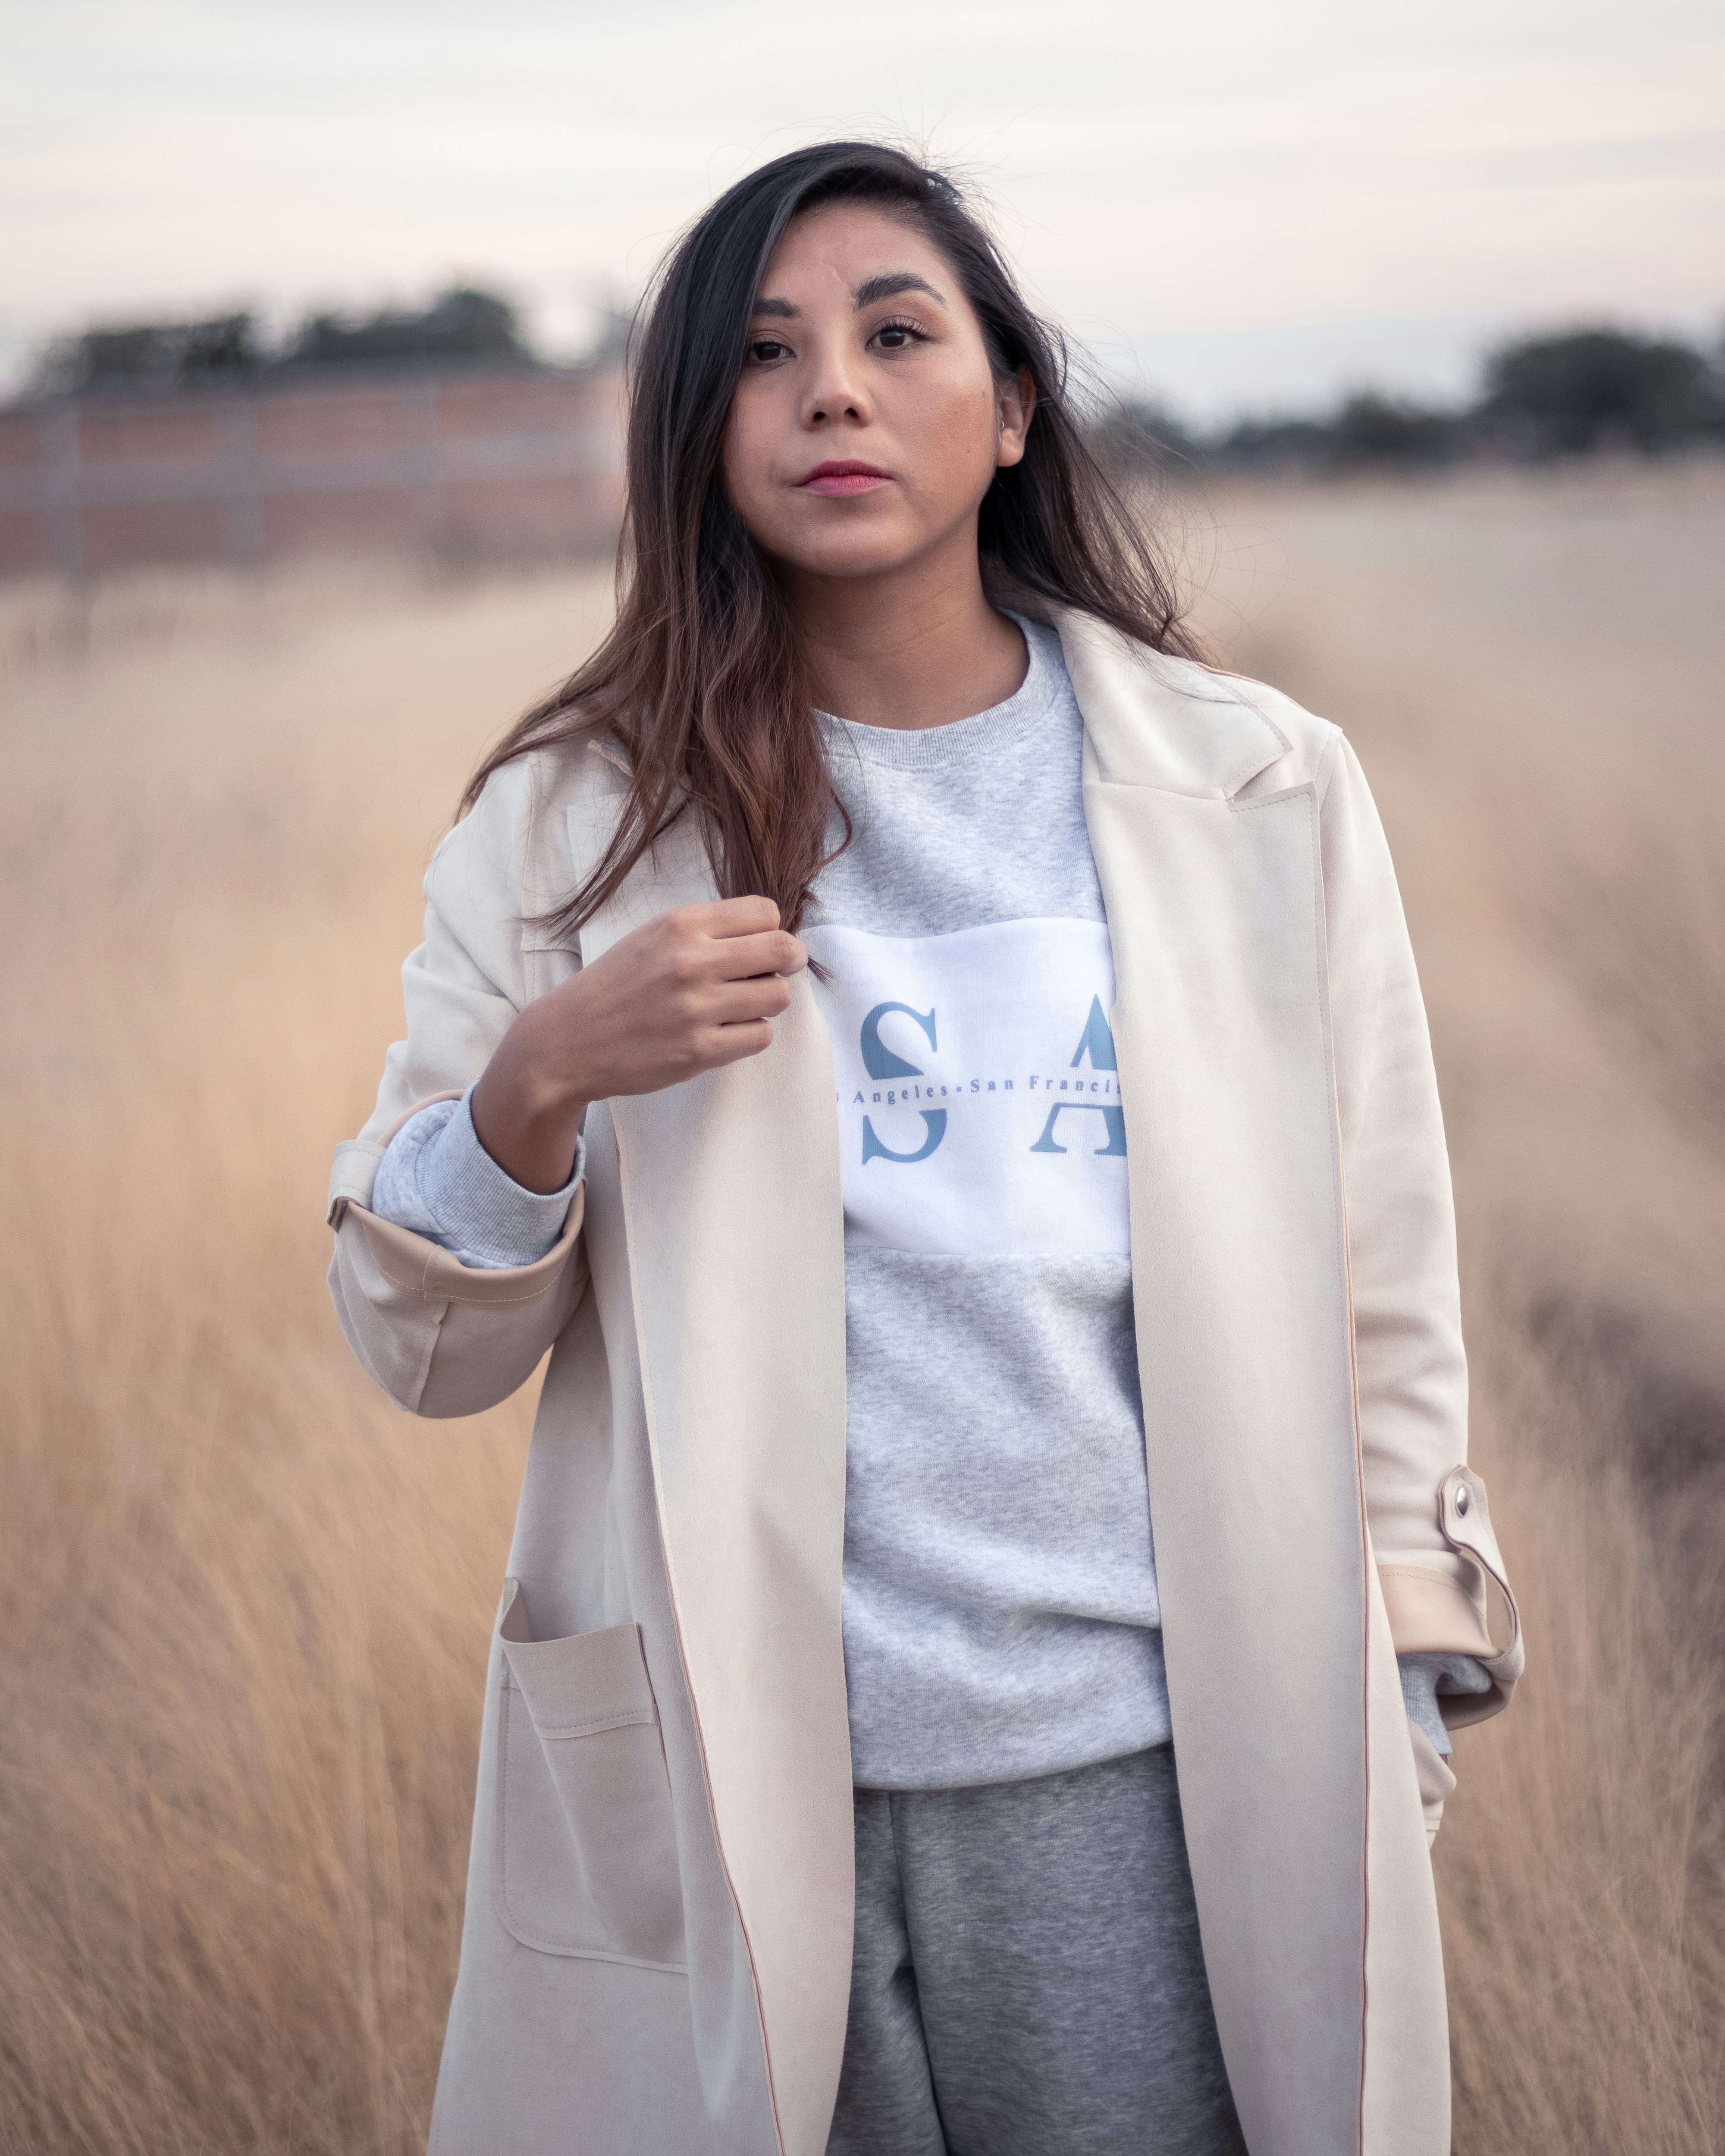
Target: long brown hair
(702, 680)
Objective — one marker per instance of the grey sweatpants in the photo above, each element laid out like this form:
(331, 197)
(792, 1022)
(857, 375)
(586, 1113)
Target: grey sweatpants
(1028, 1979)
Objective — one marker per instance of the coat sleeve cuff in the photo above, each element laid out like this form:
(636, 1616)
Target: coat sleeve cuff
(420, 1267)
(1431, 1612)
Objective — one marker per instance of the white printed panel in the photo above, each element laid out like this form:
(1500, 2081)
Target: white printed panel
(978, 1103)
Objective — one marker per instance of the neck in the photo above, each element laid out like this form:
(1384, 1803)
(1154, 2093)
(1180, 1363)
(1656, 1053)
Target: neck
(914, 647)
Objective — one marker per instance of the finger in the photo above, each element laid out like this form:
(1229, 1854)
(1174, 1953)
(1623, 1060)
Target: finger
(737, 1002)
(730, 1044)
(732, 916)
(739, 957)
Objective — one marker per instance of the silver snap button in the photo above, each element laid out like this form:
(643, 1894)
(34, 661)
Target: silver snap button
(1463, 1497)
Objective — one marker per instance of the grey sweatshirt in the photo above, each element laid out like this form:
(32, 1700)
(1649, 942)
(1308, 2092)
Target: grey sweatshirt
(1000, 1610)
(1001, 1618)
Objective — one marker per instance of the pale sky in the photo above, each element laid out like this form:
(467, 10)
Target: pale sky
(1241, 205)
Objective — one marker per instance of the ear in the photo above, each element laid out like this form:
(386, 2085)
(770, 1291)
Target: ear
(1014, 405)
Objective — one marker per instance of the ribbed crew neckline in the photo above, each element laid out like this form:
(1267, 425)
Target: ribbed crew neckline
(919, 748)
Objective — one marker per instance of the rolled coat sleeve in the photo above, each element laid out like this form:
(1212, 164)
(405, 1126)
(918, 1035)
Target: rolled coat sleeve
(443, 1338)
(1427, 1513)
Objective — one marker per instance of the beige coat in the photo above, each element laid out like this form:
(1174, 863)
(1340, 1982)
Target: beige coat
(656, 1958)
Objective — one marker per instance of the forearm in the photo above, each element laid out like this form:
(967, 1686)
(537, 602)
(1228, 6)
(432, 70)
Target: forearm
(527, 1109)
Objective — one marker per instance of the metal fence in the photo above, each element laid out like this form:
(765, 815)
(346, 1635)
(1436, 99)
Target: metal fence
(467, 462)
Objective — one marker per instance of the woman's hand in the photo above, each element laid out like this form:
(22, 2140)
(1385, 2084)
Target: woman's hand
(697, 987)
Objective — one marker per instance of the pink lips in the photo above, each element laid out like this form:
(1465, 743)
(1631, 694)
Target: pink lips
(846, 477)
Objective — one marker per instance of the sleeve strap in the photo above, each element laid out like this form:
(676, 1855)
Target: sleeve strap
(1430, 1612)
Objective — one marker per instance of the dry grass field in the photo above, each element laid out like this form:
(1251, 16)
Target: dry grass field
(245, 1602)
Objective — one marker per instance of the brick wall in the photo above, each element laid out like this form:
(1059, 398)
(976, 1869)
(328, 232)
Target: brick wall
(462, 462)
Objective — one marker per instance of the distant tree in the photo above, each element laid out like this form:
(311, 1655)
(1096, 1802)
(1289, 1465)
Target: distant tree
(1136, 435)
(1594, 389)
(1368, 428)
(1373, 429)
(463, 323)
(1284, 440)
(151, 356)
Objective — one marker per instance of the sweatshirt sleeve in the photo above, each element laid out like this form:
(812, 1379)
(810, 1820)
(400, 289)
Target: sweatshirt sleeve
(1423, 1677)
(436, 1179)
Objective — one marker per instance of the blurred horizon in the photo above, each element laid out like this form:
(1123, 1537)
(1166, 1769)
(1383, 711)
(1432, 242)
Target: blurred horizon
(1246, 213)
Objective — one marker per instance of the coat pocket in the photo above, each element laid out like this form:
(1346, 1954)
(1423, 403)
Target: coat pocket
(584, 1857)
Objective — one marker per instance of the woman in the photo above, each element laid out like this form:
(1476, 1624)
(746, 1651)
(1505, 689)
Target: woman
(903, 1032)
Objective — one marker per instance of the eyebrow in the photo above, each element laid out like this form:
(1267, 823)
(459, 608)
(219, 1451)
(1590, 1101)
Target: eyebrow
(867, 294)
(891, 285)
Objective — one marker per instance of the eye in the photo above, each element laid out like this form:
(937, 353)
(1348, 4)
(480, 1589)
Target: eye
(898, 336)
(765, 350)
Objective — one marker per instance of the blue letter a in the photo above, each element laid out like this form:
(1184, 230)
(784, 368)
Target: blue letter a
(1097, 1040)
(1113, 1121)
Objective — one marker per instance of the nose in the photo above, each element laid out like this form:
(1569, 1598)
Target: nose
(836, 392)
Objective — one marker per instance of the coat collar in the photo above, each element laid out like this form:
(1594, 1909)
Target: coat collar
(1164, 722)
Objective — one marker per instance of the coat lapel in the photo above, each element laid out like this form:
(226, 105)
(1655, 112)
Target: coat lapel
(734, 1213)
(735, 1223)
(1239, 1264)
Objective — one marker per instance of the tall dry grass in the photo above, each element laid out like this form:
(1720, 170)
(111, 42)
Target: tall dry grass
(1532, 670)
(245, 1604)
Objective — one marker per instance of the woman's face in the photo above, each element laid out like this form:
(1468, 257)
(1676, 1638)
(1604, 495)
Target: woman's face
(867, 424)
